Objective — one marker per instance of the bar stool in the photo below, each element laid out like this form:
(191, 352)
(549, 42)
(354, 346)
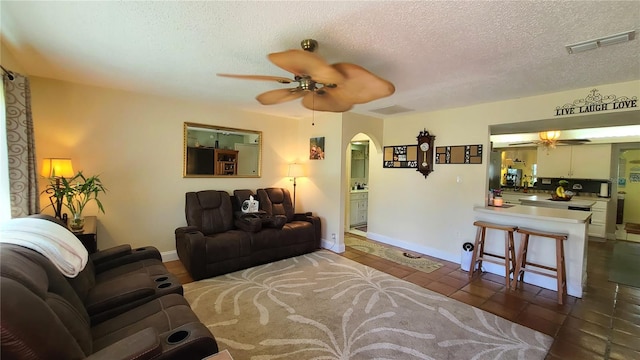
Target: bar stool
(479, 255)
(560, 269)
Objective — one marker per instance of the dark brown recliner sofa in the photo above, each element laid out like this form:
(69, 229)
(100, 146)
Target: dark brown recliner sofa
(119, 279)
(211, 244)
(43, 318)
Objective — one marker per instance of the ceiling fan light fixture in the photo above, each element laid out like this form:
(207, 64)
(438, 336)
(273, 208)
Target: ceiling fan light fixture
(549, 136)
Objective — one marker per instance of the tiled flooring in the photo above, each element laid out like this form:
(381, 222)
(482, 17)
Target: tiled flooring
(604, 324)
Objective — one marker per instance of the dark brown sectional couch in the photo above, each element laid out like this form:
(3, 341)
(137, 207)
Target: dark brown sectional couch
(125, 310)
(213, 243)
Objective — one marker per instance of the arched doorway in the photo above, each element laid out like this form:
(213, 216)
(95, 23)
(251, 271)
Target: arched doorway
(358, 171)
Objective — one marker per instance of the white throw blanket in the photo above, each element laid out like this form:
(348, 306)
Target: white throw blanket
(53, 241)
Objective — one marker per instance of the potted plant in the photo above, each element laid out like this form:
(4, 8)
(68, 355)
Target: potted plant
(75, 194)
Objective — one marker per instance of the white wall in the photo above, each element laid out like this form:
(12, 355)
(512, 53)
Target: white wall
(135, 142)
(435, 215)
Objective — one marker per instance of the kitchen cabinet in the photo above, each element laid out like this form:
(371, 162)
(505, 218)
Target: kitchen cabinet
(358, 211)
(598, 225)
(577, 161)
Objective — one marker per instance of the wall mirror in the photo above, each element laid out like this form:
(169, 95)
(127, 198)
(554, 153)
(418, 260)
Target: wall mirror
(215, 151)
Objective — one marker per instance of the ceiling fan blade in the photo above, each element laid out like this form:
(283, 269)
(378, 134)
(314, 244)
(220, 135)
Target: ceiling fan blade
(524, 143)
(360, 85)
(279, 96)
(282, 80)
(325, 101)
(573, 141)
(301, 63)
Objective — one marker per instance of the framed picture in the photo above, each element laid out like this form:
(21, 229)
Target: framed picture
(400, 156)
(316, 148)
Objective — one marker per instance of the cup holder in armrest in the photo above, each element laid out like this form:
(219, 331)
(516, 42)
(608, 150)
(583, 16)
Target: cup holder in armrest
(164, 285)
(161, 279)
(140, 249)
(177, 337)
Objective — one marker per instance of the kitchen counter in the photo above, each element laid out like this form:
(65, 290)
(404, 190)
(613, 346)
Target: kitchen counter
(543, 200)
(541, 250)
(548, 195)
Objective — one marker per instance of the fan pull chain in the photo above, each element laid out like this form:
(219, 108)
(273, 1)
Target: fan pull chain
(313, 111)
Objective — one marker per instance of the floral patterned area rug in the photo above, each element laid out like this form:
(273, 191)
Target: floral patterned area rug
(395, 255)
(324, 306)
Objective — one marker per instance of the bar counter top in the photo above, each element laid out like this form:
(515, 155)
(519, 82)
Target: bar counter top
(537, 212)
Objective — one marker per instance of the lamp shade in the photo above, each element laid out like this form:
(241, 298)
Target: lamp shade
(295, 170)
(57, 167)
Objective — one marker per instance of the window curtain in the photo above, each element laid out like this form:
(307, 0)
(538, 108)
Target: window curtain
(21, 153)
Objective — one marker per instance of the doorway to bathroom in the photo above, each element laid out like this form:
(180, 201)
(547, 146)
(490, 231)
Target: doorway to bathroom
(358, 199)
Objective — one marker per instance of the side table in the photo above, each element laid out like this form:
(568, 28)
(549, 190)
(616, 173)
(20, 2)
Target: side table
(89, 235)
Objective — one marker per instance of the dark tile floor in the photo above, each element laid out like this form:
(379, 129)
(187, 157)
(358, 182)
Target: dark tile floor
(604, 324)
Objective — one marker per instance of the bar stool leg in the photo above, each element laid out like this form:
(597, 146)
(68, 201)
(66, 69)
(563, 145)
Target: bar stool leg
(512, 257)
(525, 241)
(483, 239)
(507, 260)
(560, 271)
(521, 260)
(564, 269)
(476, 248)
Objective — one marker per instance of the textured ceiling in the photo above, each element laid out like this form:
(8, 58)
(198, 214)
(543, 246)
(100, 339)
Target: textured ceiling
(439, 54)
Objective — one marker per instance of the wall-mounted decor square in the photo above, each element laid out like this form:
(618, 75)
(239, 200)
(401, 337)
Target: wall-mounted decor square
(463, 154)
(400, 156)
(316, 148)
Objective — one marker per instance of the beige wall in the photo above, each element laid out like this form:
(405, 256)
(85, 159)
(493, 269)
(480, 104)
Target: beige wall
(8, 61)
(135, 142)
(435, 215)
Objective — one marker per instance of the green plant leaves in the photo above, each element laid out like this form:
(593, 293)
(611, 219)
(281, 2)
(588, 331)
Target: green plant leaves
(76, 192)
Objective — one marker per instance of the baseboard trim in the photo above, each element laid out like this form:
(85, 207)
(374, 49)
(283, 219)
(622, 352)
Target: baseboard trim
(332, 246)
(415, 247)
(169, 255)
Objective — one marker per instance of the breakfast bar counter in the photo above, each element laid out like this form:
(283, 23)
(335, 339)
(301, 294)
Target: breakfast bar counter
(545, 200)
(571, 222)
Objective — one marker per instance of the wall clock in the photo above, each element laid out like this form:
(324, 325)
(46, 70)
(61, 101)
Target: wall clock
(425, 152)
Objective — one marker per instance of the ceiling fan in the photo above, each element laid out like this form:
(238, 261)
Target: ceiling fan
(322, 87)
(549, 139)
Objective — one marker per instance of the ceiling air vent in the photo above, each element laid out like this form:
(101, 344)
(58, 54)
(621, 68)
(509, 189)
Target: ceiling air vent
(391, 110)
